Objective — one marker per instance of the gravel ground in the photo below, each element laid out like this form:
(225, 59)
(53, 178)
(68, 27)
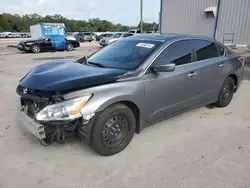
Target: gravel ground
(201, 148)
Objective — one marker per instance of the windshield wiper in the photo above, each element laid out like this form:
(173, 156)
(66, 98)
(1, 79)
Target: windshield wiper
(97, 64)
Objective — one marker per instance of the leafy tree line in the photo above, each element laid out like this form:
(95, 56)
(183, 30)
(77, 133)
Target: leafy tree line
(17, 23)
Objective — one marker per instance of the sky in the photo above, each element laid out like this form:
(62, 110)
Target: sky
(126, 12)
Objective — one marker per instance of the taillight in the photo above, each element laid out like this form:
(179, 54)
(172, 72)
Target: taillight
(242, 60)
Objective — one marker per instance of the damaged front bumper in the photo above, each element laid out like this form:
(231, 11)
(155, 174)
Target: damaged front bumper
(57, 132)
(31, 125)
(23, 47)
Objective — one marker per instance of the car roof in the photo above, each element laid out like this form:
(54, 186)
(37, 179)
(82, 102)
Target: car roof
(167, 37)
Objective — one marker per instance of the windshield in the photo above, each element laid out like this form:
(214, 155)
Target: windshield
(124, 54)
(117, 35)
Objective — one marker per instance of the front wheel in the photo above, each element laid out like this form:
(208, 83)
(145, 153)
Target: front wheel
(226, 93)
(69, 47)
(113, 130)
(35, 48)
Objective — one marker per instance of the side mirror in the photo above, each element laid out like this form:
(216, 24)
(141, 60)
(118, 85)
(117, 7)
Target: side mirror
(170, 67)
(48, 39)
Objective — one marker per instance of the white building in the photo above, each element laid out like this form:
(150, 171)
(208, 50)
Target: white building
(226, 20)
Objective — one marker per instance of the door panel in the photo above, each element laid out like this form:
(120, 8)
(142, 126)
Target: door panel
(58, 42)
(46, 45)
(211, 75)
(170, 92)
(212, 69)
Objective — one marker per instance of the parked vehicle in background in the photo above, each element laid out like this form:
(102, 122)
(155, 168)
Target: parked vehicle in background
(149, 32)
(125, 87)
(135, 31)
(94, 36)
(26, 35)
(48, 43)
(104, 35)
(84, 36)
(116, 36)
(14, 35)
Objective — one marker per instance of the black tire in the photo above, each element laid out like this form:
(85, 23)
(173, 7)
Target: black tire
(226, 93)
(81, 40)
(102, 140)
(90, 40)
(69, 47)
(35, 48)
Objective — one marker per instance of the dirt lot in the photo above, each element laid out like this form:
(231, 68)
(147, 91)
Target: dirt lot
(202, 148)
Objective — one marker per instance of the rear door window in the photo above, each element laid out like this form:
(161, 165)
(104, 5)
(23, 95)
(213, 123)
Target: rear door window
(205, 49)
(179, 53)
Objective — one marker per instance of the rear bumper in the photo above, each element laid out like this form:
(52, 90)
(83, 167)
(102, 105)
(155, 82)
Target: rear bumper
(31, 125)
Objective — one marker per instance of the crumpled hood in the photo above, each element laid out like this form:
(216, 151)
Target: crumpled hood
(65, 74)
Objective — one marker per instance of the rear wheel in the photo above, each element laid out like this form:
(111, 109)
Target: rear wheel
(226, 93)
(35, 48)
(69, 47)
(113, 130)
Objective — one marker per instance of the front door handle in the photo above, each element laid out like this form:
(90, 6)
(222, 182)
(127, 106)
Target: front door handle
(192, 74)
(222, 64)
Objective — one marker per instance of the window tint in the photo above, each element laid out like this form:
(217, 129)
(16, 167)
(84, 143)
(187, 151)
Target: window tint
(205, 49)
(178, 53)
(220, 50)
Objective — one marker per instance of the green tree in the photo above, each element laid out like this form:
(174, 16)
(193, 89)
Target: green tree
(12, 23)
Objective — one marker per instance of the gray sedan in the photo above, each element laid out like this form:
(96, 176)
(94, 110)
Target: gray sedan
(118, 91)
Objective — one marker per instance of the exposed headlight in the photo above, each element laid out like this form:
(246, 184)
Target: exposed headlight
(28, 43)
(66, 110)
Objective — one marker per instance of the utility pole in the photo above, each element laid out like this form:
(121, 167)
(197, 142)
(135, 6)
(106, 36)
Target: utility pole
(141, 16)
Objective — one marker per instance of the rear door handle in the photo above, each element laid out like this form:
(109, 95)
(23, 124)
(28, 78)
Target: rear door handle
(222, 65)
(192, 74)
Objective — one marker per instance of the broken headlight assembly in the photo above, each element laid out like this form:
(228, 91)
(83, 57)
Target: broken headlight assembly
(66, 110)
